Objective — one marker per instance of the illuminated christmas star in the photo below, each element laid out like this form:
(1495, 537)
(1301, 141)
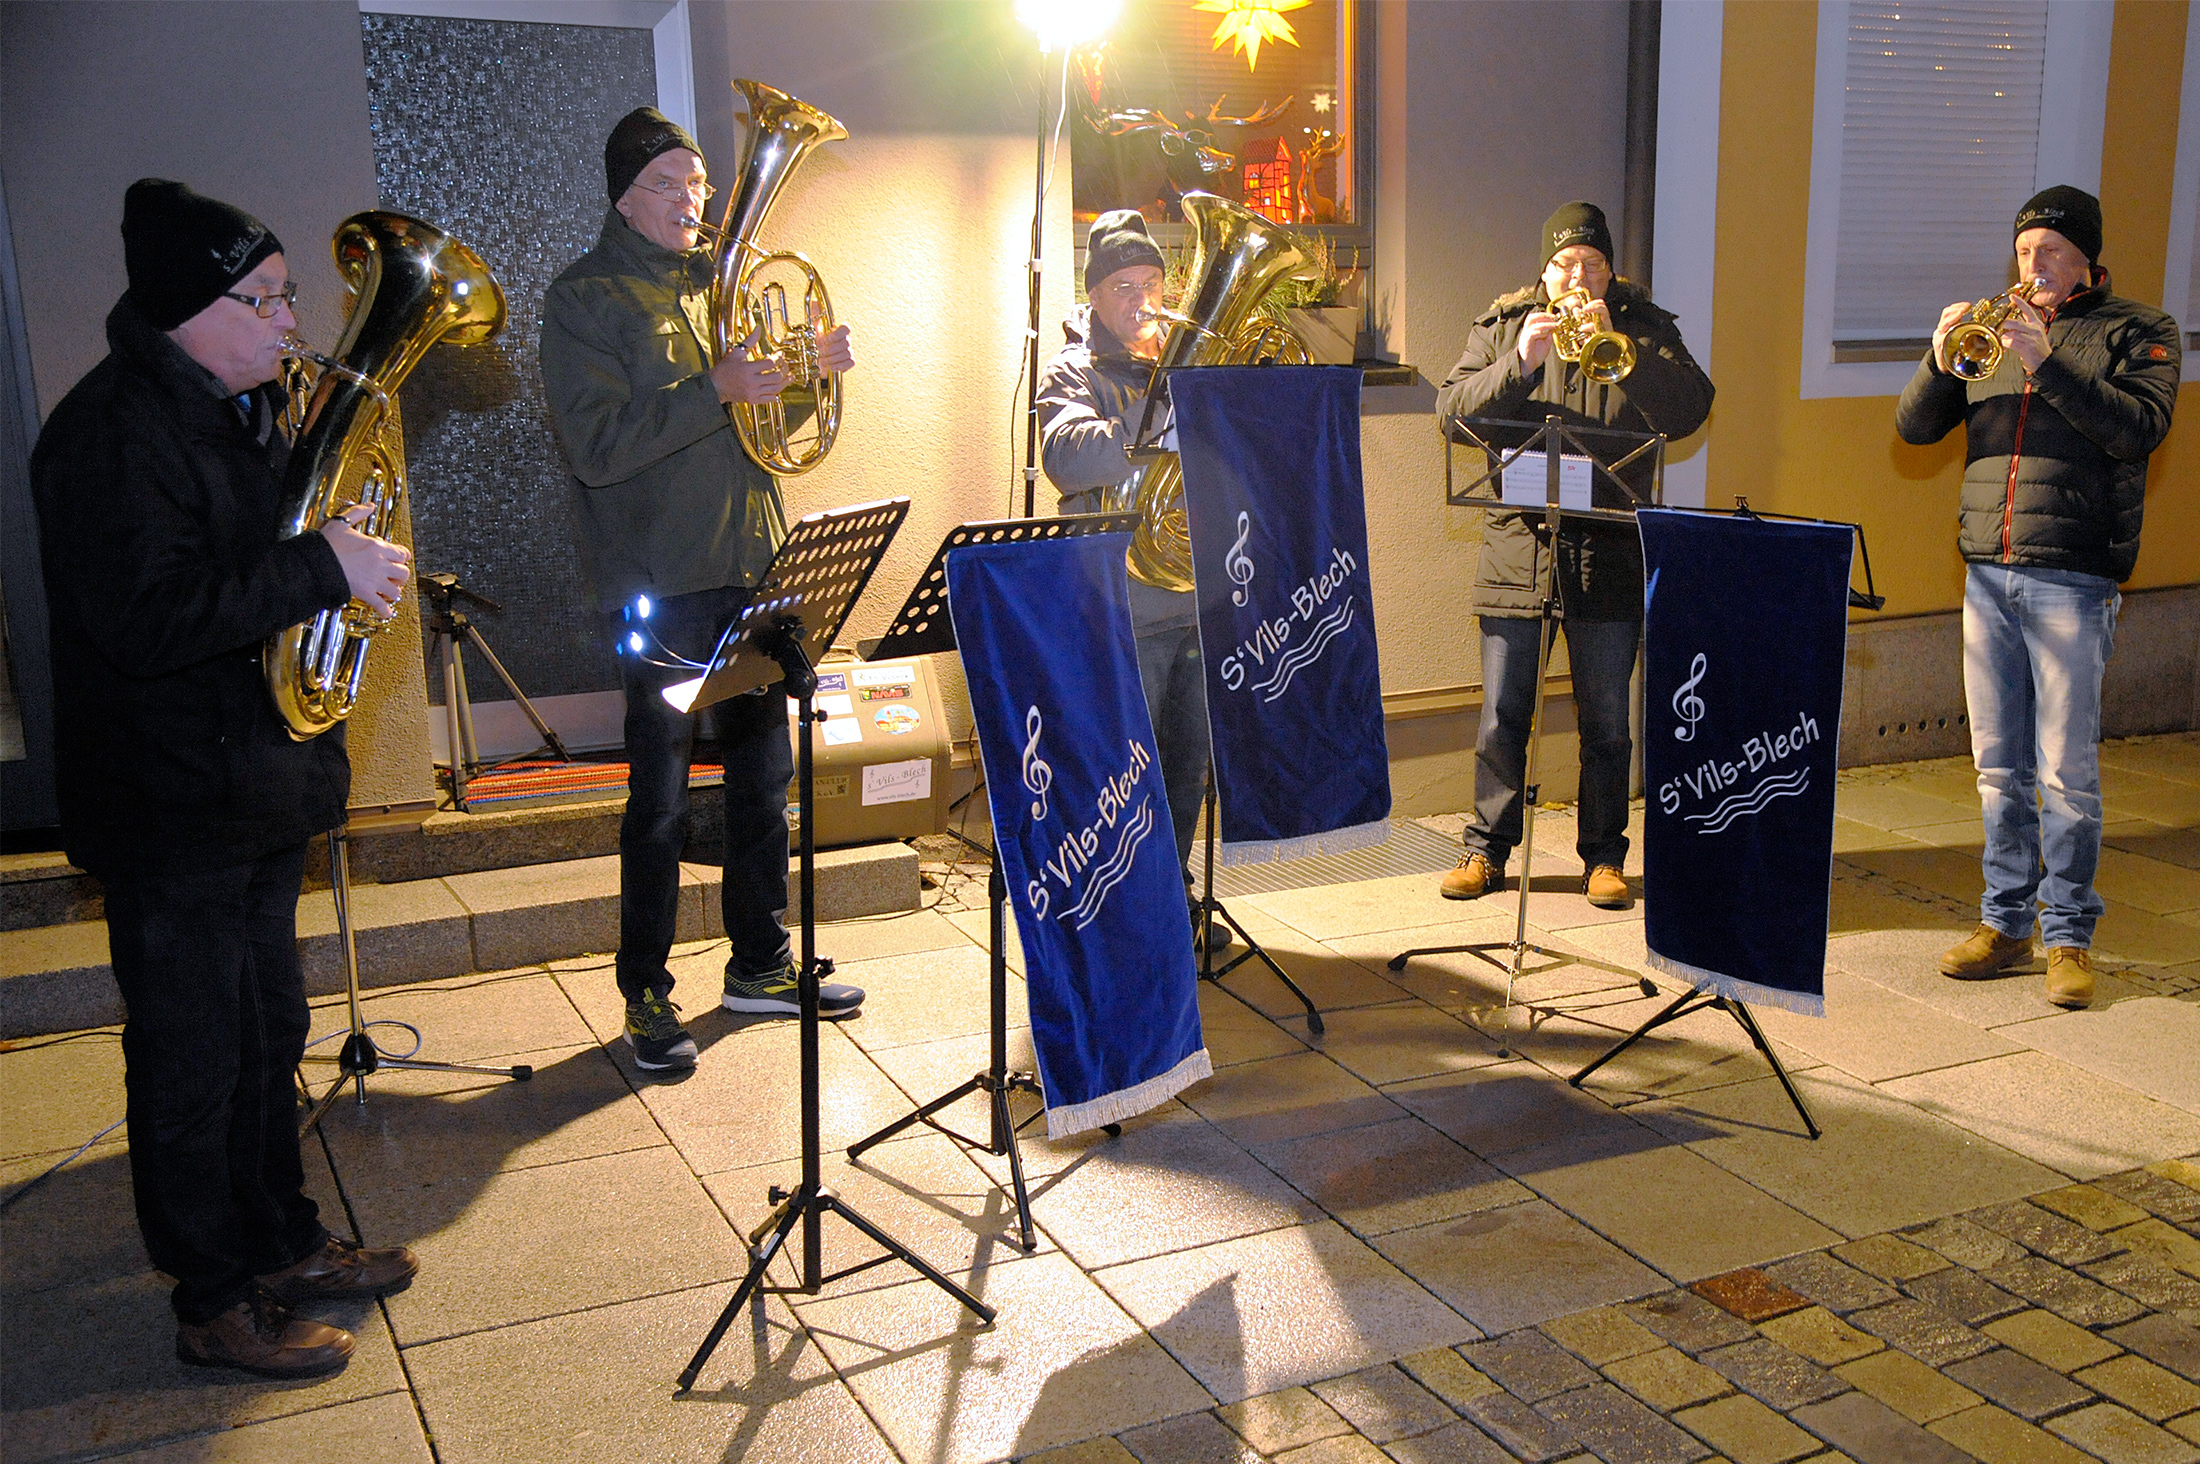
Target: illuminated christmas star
(1323, 101)
(1246, 23)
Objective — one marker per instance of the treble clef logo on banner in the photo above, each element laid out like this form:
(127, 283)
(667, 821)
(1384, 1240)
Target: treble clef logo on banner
(1686, 704)
(1239, 566)
(1038, 777)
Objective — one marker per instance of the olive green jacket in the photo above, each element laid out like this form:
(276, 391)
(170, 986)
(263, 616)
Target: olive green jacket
(665, 500)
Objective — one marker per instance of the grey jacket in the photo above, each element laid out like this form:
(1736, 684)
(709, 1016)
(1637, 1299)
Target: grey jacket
(666, 501)
(2055, 464)
(1092, 402)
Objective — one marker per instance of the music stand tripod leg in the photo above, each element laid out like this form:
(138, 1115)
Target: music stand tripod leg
(359, 1057)
(1208, 908)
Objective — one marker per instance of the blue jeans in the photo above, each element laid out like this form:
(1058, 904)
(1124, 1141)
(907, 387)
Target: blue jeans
(1175, 681)
(759, 760)
(2035, 643)
(207, 962)
(1602, 655)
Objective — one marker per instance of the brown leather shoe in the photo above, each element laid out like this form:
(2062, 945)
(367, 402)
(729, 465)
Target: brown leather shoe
(341, 1270)
(1987, 953)
(1475, 877)
(261, 1335)
(2070, 977)
(1606, 887)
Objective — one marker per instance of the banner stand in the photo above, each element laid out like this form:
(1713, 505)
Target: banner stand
(1696, 1000)
(922, 627)
(1558, 444)
(1208, 908)
(800, 604)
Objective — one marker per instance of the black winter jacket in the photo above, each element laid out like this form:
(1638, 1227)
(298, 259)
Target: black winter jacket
(2055, 469)
(1599, 564)
(157, 515)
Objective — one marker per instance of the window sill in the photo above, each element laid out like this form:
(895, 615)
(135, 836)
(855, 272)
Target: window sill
(1900, 348)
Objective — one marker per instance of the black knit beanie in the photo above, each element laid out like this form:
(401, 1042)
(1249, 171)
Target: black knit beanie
(1118, 241)
(1576, 223)
(2071, 212)
(640, 136)
(184, 251)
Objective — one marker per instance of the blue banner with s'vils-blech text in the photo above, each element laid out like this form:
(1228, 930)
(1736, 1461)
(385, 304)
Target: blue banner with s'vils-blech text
(1080, 824)
(1278, 526)
(1745, 634)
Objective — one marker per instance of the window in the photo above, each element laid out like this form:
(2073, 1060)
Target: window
(1195, 94)
(1934, 121)
(2181, 280)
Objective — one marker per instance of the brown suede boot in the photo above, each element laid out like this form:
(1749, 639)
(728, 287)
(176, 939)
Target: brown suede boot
(1476, 876)
(1987, 953)
(2070, 977)
(261, 1335)
(1606, 887)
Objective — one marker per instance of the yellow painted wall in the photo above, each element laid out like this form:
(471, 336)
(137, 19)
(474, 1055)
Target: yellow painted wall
(1838, 457)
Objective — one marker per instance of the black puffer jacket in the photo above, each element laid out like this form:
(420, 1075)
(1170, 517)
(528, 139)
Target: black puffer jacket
(2055, 470)
(157, 518)
(1599, 564)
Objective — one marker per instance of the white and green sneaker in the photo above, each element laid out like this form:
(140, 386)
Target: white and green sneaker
(775, 993)
(660, 1043)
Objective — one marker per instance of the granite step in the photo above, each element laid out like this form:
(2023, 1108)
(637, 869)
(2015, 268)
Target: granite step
(55, 978)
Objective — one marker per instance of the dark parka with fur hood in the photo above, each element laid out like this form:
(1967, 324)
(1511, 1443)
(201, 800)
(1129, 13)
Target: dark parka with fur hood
(158, 510)
(2055, 470)
(1599, 564)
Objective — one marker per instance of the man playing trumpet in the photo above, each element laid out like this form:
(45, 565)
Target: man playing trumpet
(2058, 426)
(675, 520)
(1512, 370)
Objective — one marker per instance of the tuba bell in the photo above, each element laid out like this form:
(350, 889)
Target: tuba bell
(749, 288)
(412, 285)
(1237, 257)
(1973, 343)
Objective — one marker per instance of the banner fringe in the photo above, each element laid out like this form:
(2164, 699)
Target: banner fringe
(1336, 841)
(1129, 1102)
(1734, 988)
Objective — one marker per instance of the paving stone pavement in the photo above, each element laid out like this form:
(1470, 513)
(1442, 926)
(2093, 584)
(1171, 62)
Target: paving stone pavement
(1405, 1241)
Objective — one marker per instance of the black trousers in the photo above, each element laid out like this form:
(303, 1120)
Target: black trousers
(207, 961)
(759, 759)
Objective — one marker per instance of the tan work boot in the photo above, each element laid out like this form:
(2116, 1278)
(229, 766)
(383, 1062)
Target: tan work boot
(1606, 887)
(261, 1335)
(1476, 876)
(2070, 977)
(1987, 953)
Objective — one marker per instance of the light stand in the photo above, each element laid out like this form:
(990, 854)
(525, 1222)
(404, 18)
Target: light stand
(1553, 437)
(359, 1058)
(804, 596)
(451, 628)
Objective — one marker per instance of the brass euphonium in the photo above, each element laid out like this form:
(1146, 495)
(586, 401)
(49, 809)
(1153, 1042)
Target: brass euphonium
(1973, 343)
(747, 299)
(1604, 355)
(1237, 257)
(412, 285)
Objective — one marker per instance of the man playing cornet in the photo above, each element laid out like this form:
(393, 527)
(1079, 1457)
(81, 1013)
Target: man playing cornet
(2058, 425)
(676, 520)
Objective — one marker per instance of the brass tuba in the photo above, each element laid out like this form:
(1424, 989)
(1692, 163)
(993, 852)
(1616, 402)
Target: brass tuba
(1973, 343)
(1237, 257)
(748, 298)
(1604, 355)
(412, 285)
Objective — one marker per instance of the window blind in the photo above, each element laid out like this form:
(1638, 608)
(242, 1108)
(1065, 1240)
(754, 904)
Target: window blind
(1939, 148)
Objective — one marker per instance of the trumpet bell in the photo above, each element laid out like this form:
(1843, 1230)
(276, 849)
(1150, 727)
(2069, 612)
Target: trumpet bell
(1604, 356)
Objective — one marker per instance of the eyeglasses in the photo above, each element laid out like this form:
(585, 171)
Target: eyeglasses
(265, 306)
(680, 192)
(1135, 290)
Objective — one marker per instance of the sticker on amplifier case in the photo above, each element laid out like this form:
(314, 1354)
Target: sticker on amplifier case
(904, 674)
(896, 719)
(831, 681)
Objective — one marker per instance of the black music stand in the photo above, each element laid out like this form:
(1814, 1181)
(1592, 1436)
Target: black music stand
(359, 1058)
(922, 627)
(804, 597)
(1556, 439)
(1208, 907)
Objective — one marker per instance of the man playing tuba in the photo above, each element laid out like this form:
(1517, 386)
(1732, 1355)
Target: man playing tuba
(676, 524)
(1092, 401)
(180, 786)
(1511, 370)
